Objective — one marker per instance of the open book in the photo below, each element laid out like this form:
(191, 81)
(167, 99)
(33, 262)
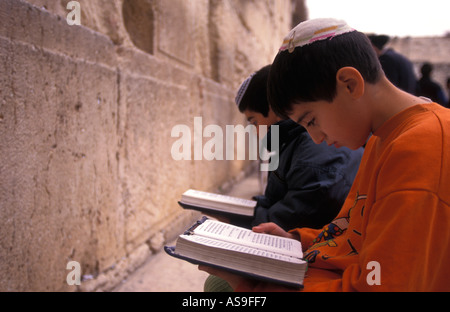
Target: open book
(217, 203)
(239, 250)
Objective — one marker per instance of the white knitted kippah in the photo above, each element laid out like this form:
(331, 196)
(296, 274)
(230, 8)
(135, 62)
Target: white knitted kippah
(243, 88)
(314, 30)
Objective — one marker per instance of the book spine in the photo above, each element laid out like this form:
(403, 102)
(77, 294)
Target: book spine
(190, 231)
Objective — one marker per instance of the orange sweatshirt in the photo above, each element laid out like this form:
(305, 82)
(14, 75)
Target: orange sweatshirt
(393, 232)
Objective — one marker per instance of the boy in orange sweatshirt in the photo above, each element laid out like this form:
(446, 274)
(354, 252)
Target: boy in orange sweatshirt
(393, 231)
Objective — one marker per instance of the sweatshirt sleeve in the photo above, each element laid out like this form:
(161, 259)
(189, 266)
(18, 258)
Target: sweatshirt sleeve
(402, 251)
(307, 236)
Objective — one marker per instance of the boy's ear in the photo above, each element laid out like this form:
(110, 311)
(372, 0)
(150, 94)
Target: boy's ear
(351, 81)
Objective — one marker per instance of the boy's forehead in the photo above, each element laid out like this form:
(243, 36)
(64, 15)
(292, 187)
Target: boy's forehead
(298, 112)
(314, 30)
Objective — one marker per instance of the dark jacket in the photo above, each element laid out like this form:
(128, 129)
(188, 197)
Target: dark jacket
(432, 90)
(399, 70)
(310, 184)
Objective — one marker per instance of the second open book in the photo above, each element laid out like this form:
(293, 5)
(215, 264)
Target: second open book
(217, 204)
(242, 251)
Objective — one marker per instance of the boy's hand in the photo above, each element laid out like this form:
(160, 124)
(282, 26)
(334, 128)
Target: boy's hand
(273, 229)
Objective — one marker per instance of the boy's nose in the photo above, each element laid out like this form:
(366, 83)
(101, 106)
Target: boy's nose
(317, 137)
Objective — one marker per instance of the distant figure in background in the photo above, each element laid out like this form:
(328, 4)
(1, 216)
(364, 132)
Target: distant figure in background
(430, 88)
(398, 69)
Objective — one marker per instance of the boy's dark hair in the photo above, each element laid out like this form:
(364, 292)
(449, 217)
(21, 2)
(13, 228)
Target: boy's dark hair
(255, 97)
(308, 74)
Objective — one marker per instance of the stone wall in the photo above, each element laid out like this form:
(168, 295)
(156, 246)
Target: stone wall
(86, 114)
(435, 50)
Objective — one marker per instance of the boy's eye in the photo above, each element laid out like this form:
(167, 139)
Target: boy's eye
(311, 122)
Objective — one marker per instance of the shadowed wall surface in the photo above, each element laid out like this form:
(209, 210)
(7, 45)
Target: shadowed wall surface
(86, 114)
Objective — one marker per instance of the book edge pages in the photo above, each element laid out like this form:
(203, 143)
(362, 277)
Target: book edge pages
(219, 199)
(172, 251)
(240, 212)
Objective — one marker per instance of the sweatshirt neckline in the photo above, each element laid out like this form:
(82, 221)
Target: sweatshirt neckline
(400, 117)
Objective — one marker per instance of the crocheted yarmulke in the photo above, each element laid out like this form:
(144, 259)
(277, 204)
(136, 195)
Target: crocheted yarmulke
(314, 30)
(243, 88)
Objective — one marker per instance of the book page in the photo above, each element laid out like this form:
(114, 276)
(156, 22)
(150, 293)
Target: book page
(230, 233)
(199, 197)
(239, 248)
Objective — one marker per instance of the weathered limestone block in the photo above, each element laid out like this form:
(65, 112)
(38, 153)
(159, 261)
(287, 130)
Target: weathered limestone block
(86, 114)
(58, 202)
